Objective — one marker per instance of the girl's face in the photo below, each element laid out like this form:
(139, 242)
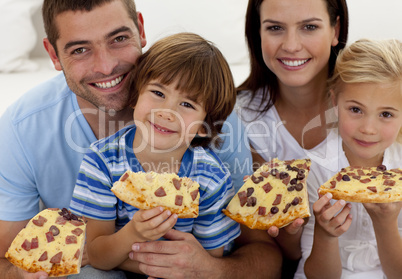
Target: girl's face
(167, 120)
(370, 118)
(296, 39)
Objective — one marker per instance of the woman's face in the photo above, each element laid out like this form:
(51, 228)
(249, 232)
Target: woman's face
(296, 40)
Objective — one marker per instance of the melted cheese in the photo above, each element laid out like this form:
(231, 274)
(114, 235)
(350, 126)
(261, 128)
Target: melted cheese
(31, 257)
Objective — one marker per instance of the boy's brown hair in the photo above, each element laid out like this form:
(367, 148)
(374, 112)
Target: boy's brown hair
(199, 69)
(52, 8)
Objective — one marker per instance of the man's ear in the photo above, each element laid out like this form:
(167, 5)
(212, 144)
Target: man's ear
(52, 54)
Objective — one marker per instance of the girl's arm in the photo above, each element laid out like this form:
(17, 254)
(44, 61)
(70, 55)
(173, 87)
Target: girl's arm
(389, 242)
(324, 260)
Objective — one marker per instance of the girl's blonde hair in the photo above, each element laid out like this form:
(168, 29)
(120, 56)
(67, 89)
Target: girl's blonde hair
(369, 61)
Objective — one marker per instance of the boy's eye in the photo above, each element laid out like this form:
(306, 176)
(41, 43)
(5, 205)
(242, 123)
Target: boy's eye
(386, 114)
(158, 93)
(188, 105)
(355, 110)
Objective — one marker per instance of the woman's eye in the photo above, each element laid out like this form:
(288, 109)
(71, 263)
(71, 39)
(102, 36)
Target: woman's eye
(188, 105)
(158, 93)
(386, 114)
(274, 28)
(310, 27)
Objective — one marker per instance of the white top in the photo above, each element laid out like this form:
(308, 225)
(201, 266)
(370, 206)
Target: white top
(358, 247)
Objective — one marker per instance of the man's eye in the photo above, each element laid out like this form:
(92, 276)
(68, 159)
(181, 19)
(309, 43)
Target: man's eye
(386, 114)
(120, 39)
(80, 50)
(158, 93)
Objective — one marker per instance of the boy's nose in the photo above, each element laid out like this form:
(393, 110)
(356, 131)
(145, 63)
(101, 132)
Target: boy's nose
(166, 114)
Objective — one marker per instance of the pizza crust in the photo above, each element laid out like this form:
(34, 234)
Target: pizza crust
(353, 184)
(259, 206)
(180, 195)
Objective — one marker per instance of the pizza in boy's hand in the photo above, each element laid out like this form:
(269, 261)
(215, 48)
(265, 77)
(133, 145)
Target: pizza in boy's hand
(52, 241)
(146, 190)
(365, 184)
(275, 195)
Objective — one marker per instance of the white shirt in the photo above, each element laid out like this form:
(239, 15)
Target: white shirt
(358, 247)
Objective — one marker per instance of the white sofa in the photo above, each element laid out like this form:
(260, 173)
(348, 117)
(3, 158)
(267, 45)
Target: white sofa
(24, 62)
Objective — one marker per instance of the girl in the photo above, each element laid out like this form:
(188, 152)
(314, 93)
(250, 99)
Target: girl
(367, 89)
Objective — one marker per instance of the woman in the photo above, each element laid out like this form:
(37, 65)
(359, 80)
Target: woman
(293, 46)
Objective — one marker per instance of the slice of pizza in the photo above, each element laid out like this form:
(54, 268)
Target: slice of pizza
(275, 195)
(52, 241)
(365, 184)
(146, 190)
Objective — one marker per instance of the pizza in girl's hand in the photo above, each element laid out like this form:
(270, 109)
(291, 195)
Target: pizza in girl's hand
(365, 184)
(275, 195)
(146, 190)
(52, 241)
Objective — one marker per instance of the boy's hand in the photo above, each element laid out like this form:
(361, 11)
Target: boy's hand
(383, 213)
(152, 224)
(328, 218)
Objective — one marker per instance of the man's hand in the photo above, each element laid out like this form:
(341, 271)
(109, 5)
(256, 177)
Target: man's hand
(181, 257)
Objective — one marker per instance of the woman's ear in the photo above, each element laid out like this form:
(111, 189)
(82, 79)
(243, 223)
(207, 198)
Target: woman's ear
(335, 39)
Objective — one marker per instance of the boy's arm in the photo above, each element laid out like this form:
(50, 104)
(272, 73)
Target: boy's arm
(389, 241)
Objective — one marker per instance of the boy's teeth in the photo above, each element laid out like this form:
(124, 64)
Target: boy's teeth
(294, 63)
(109, 84)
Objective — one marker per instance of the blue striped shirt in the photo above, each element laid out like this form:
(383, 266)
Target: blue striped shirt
(107, 159)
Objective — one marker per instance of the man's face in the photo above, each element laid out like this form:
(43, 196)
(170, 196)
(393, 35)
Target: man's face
(97, 51)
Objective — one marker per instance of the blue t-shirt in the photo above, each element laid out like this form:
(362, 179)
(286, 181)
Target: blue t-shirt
(107, 160)
(44, 137)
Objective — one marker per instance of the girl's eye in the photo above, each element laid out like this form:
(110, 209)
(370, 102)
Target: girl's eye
(386, 114)
(188, 105)
(355, 110)
(310, 27)
(158, 93)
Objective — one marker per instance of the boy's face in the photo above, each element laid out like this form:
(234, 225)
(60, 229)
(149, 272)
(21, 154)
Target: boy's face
(167, 120)
(370, 117)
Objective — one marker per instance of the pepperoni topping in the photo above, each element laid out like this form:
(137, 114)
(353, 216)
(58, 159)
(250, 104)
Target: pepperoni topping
(262, 210)
(286, 180)
(277, 199)
(124, 177)
(372, 188)
(56, 258)
(242, 197)
(49, 237)
(339, 177)
(34, 243)
(267, 187)
(333, 184)
(71, 239)
(265, 174)
(387, 189)
(77, 254)
(26, 245)
(160, 192)
(40, 221)
(77, 223)
(178, 200)
(61, 220)
(286, 208)
(55, 230)
(360, 172)
(367, 180)
(194, 194)
(77, 231)
(43, 257)
(389, 182)
(176, 183)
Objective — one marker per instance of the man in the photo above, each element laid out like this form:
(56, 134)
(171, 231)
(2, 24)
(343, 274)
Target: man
(45, 134)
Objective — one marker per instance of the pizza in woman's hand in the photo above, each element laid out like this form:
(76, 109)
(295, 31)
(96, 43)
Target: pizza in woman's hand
(52, 241)
(146, 190)
(275, 195)
(365, 184)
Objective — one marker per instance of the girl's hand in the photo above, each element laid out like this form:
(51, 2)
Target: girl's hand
(333, 219)
(383, 213)
(291, 229)
(152, 224)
